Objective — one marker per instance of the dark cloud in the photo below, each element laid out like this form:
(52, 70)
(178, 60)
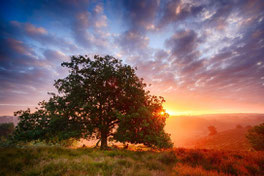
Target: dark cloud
(183, 44)
(140, 14)
(175, 11)
(161, 54)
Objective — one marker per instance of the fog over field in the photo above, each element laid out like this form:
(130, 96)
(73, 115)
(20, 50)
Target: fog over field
(184, 129)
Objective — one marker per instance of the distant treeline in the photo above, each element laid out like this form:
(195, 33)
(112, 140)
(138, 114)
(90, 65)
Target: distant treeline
(9, 119)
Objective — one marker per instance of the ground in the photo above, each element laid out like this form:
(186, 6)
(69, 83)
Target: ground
(43, 160)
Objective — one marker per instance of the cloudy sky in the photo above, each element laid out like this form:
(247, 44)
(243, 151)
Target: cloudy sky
(202, 56)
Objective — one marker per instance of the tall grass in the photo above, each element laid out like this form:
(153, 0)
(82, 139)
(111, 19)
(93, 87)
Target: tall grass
(62, 161)
(42, 160)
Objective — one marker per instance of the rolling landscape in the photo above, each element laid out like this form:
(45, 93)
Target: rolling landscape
(195, 152)
(131, 88)
(192, 131)
(234, 139)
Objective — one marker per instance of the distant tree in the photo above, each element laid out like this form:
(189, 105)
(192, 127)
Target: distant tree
(6, 129)
(256, 137)
(239, 126)
(212, 130)
(100, 98)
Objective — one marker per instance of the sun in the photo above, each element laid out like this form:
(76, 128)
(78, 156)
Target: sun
(162, 113)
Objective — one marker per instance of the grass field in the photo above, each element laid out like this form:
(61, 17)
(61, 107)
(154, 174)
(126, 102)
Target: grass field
(87, 161)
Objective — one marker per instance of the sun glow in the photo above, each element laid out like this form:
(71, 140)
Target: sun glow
(195, 113)
(184, 113)
(175, 113)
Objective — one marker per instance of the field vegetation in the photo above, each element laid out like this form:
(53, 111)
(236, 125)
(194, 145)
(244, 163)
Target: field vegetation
(43, 160)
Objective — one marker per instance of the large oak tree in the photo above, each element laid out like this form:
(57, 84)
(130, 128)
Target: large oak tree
(100, 98)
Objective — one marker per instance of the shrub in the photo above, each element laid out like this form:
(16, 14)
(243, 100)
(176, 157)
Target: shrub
(256, 137)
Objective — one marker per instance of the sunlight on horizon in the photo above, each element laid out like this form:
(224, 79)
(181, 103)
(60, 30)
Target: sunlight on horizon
(173, 113)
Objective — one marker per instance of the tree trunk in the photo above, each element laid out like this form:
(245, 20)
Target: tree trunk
(97, 143)
(103, 140)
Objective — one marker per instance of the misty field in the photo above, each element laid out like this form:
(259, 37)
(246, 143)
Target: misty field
(87, 161)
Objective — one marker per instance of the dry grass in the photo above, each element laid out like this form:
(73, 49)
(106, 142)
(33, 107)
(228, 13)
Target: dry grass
(86, 161)
(219, 162)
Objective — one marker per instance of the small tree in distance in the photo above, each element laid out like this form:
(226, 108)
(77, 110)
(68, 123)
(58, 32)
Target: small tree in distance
(212, 130)
(239, 126)
(100, 98)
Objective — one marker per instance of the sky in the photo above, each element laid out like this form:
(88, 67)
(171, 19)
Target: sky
(203, 57)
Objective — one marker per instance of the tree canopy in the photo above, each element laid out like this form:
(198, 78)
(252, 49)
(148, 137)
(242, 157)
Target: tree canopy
(100, 98)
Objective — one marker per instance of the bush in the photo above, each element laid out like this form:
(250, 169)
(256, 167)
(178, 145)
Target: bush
(256, 137)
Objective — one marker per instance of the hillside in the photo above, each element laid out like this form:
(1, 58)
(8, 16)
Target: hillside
(87, 161)
(184, 129)
(9, 119)
(234, 139)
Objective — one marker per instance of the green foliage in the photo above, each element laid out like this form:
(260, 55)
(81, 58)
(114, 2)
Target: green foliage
(100, 98)
(256, 137)
(145, 126)
(31, 126)
(6, 129)
(44, 125)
